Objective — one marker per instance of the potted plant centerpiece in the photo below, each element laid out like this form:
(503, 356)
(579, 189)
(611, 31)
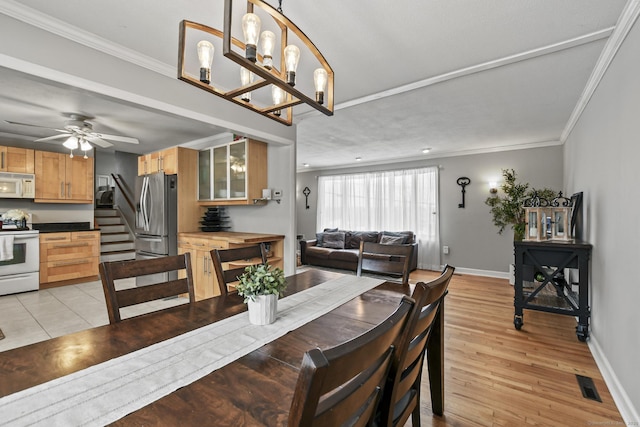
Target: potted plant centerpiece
(261, 285)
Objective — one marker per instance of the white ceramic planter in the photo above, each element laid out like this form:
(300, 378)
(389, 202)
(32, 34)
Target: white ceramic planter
(263, 310)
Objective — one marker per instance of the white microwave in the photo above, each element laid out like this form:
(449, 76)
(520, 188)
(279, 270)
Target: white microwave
(17, 186)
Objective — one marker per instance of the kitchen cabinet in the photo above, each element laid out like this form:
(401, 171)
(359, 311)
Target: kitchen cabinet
(63, 179)
(232, 174)
(160, 161)
(69, 255)
(201, 243)
(16, 160)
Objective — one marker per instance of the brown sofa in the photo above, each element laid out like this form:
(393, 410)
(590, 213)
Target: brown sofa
(339, 248)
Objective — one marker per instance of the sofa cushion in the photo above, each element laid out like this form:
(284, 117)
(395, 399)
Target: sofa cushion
(353, 238)
(349, 255)
(407, 235)
(334, 240)
(392, 240)
(319, 253)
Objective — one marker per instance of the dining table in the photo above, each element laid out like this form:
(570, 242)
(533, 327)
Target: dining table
(255, 389)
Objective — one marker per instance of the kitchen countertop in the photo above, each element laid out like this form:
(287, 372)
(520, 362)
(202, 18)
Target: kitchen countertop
(233, 236)
(58, 227)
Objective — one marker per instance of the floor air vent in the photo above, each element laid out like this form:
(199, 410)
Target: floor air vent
(588, 388)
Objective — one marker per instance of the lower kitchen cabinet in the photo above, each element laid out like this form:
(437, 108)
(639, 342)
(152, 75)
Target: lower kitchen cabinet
(199, 244)
(69, 255)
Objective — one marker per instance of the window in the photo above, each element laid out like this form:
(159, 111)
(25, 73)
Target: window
(390, 200)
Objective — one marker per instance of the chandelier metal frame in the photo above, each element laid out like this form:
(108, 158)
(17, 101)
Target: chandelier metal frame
(273, 76)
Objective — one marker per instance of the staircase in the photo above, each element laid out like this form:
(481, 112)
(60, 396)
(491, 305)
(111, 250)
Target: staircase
(116, 242)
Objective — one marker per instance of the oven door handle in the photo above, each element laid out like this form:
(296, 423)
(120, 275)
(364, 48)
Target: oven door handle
(35, 237)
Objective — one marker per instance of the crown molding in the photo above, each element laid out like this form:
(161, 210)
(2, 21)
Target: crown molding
(55, 26)
(437, 155)
(623, 26)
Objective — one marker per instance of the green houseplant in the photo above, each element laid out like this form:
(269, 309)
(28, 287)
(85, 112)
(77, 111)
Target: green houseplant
(261, 285)
(508, 210)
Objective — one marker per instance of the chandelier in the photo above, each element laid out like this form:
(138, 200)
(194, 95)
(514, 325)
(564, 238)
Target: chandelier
(271, 70)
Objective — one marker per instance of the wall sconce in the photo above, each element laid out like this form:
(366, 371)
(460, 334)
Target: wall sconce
(493, 187)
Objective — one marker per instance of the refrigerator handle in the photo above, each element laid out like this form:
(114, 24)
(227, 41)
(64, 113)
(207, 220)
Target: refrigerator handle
(143, 201)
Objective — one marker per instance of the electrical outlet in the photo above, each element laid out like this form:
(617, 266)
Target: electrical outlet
(445, 250)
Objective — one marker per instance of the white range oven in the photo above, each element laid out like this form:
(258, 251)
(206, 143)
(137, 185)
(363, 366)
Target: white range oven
(20, 266)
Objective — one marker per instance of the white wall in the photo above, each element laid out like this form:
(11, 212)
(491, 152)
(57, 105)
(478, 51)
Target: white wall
(475, 246)
(601, 159)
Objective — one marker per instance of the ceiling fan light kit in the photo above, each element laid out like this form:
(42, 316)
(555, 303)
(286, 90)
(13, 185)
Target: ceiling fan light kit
(275, 86)
(78, 133)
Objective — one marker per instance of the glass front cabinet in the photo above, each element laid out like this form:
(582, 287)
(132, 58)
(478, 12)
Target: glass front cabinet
(233, 173)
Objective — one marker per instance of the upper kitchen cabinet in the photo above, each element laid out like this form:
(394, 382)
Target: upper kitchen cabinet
(63, 179)
(160, 161)
(18, 160)
(232, 174)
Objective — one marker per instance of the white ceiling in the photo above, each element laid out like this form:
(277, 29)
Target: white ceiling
(456, 76)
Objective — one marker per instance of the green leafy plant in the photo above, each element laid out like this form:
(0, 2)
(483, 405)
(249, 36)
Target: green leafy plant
(260, 279)
(508, 210)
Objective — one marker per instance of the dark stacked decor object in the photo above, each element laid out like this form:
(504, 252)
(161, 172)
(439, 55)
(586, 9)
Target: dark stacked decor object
(215, 219)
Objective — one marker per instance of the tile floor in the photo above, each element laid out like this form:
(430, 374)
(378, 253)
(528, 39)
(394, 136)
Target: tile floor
(39, 315)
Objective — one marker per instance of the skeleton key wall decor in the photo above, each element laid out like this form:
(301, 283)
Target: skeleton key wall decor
(306, 193)
(463, 181)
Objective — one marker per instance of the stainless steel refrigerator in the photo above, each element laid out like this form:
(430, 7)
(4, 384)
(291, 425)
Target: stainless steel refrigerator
(156, 221)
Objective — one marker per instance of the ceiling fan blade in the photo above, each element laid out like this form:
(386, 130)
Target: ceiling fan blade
(99, 142)
(116, 138)
(50, 138)
(34, 126)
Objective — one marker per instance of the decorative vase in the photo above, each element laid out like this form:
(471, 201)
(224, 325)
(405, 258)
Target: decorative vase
(23, 223)
(263, 310)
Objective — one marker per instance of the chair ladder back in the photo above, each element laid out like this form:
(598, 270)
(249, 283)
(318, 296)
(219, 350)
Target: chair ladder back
(224, 276)
(342, 385)
(391, 260)
(110, 271)
(406, 371)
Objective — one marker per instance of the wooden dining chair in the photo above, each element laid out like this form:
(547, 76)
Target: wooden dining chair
(119, 298)
(387, 260)
(342, 385)
(249, 255)
(401, 397)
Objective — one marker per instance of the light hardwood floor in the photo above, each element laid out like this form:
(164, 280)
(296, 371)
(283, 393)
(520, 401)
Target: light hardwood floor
(498, 376)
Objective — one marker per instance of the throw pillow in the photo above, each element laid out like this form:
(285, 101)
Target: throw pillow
(319, 238)
(406, 235)
(353, 238)
(333, 240)
(330, 230)
(391, 240)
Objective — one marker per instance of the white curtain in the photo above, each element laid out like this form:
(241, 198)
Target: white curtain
(390, 200)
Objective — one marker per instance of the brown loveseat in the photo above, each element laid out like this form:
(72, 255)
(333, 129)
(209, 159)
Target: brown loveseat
(339, 248)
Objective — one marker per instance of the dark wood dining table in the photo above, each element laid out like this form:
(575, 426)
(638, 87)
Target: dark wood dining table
(254, 390)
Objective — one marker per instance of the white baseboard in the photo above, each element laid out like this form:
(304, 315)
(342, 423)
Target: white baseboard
(485, 273)
(629, 413)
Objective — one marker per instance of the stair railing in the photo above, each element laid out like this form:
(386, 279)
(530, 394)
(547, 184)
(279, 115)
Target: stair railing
(124, 189)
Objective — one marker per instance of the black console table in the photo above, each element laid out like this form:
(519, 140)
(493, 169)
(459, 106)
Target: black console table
(547, 260)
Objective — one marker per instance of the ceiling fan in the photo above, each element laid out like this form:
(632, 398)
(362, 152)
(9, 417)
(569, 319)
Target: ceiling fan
(80, 134)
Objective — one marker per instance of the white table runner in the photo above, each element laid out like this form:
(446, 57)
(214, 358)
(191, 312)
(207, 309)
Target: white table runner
(108, 391)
